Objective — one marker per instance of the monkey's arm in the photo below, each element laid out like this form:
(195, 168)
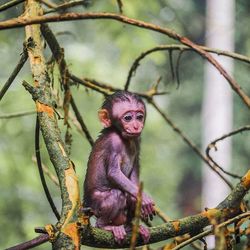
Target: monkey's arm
(147, 210)
(117, 177)
(134, 177)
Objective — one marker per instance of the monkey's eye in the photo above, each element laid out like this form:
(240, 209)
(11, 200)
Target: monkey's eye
(140, 117)
(127, 118)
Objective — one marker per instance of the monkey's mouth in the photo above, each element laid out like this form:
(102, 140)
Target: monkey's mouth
(130, 134)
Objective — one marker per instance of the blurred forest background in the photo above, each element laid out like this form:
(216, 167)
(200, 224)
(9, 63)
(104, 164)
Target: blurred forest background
(105, 50)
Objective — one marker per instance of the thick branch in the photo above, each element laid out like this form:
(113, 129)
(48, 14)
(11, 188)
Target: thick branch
(68, 237)
(192, 224)
(24, 20)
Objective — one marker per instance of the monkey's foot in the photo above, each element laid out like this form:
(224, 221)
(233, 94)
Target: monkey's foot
(144, 232)
(118, 232)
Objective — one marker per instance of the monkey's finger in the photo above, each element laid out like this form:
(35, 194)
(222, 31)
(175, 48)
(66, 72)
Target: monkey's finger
(152, 210)
(151, 217)
(145, 219)
(122, 233)
(146, 213)
(142, 212)
(148, 209)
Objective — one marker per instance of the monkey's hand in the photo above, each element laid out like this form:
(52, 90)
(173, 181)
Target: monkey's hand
(118, 232)
(147, 208)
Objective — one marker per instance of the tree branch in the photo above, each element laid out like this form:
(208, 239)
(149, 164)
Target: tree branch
(39, 240)
(120, 6)
(228, 208)
(58, 54)
(209, 231)
(81, 122)
(67, 236)
(173, 47)
(64, 6)
(46, 170)
(213, 145)
(24, 20)
(16, 115)
(23, 59)
(10, 4)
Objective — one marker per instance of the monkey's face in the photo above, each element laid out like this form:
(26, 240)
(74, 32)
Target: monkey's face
(130, 117)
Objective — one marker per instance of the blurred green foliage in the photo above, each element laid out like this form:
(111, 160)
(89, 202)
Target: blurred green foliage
(105, 50)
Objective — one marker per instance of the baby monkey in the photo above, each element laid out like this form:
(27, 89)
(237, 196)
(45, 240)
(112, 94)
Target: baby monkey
(112, 179)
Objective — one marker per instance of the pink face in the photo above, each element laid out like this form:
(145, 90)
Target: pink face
(131, 116)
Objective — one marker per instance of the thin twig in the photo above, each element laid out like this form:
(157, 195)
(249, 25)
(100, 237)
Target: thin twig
(90, 84)
(39, 164)
(106, 89)
(172, 47)
(209, 231)
(13, 75)
(120, 5)
(213, 145)
(59, 56)
(81, 121)
(177, 68)
(136, 220)
(161, 214)
(64, 6)
(46, 170)
(190, 143)
(39, 240)
(16, 115)
(171, 63)
(48, 3)
(10, 4)
(234, 132)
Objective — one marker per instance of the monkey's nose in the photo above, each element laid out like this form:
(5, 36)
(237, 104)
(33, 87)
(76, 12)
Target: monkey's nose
(136, 126)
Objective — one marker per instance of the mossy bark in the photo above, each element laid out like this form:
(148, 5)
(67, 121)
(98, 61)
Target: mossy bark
(66, 230)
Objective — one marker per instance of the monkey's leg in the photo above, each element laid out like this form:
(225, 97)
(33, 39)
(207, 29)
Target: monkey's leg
(110, 210)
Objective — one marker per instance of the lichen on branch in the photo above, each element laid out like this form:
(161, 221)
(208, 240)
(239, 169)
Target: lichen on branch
(66, 230)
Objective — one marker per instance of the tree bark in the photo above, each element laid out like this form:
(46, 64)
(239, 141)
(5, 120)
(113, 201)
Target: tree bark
(65, 235)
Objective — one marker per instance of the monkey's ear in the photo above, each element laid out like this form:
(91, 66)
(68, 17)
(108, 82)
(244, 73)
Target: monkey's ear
(104, 118)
